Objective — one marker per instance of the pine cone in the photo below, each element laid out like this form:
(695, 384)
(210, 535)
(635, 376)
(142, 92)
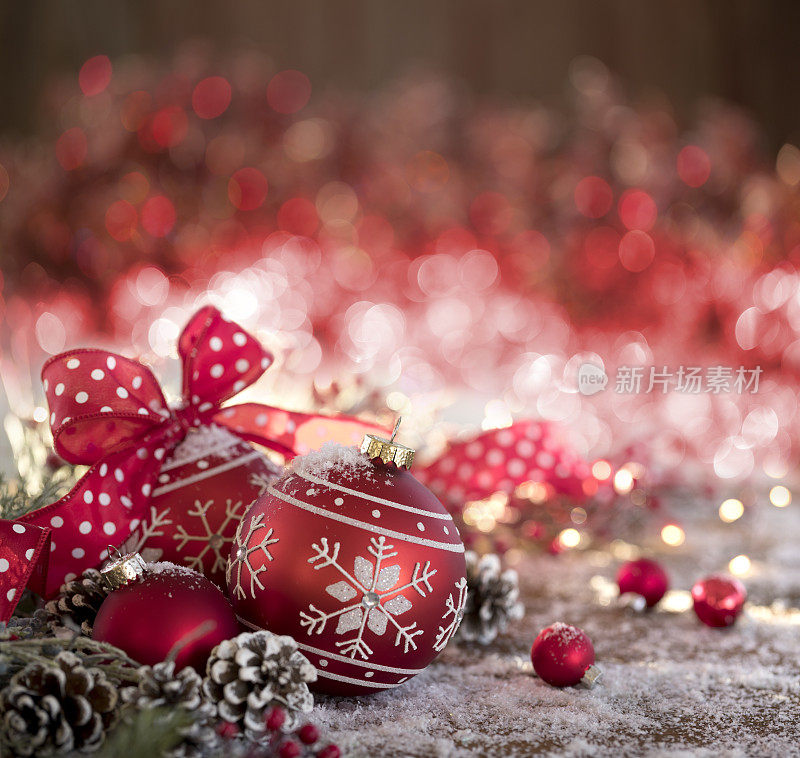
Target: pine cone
(55, 708)
(160, 686)
(247, 674)
(492, 599)
(80, 600)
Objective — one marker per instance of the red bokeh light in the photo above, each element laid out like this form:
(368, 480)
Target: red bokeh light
(636, 250)
(694, 166)
(71, 148)
(602, 247)
(158, 216)
(288, 91)
(637, 210)
(95, 75)
(169, 126)
(298, 216)
(593, 197)
(247, 189)
(121, 220)
(211, 97)
(490, 213)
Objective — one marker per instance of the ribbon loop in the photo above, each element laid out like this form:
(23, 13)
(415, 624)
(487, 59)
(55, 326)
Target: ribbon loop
(100, 403)
(220, 359)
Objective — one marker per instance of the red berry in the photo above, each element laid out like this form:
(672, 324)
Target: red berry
(227, 730)
(289, 750)
(329, 751)
(275, 718)
(308, 734)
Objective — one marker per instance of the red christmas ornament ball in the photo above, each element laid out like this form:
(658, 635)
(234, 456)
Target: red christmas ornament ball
(202, 492)
(718, 600)
(167, 606)
(357, 561)
(561, 654)
(645, 578)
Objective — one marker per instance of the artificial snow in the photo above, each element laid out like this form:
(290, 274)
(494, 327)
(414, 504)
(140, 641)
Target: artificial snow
(333, 458)
(670, 686)
(201, 442)
(168, 568)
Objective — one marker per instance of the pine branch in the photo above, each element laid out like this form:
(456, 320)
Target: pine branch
(16, 499)
(147, 733)
(16, 654)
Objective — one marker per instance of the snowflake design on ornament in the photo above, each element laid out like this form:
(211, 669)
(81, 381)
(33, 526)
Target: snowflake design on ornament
(455, 608)
(376, 594)
(152, 528)
(243, 554)
(210, 540)
(262, 481)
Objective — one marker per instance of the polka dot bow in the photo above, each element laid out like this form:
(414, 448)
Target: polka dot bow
(500, 460)
(108, 412)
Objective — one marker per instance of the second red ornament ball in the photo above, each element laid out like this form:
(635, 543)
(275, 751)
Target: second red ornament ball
(349, 554)
(156, 609)
(202, 492)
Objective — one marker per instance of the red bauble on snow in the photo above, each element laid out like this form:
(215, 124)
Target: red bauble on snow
(563, 655)
(202, 492)
(357, 561)
(645, 578)
(156, 607)
(718, 600)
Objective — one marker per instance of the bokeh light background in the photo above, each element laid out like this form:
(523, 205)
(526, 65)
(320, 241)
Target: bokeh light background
(448, 237)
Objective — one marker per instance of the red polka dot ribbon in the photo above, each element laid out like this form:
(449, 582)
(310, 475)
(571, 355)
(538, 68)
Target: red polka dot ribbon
(500, 460)
(108, 412)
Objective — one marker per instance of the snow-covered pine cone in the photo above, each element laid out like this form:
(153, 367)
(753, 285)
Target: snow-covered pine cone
(55, 708)
(80, 600)
(247, 674)
(161, 686)
(492, 599)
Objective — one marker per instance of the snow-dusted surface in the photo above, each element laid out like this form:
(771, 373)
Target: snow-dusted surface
(670, 685)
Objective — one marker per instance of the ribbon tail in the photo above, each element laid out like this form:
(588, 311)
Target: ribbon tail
(102, 509)
(291, 432)
(23, 562)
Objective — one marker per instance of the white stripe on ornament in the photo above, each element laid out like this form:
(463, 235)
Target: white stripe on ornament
(315, 480)
(364, 664)
(217, 450)
(335, 656)
(176, 485)
(363, 525)
(362, 682)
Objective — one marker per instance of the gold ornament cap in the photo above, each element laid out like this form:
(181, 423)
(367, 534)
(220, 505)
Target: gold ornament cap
(123, 570)
(388, 451)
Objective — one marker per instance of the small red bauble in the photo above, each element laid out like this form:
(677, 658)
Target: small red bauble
(162, 606)
(563, 655)
(645, 578)
(203, 490)
(357, 561)
(718, 600)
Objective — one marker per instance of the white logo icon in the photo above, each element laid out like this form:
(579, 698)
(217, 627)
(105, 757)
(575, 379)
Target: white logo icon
(591, 379)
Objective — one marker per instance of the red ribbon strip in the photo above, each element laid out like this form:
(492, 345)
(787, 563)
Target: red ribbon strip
(108, 412)
(500, 460)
